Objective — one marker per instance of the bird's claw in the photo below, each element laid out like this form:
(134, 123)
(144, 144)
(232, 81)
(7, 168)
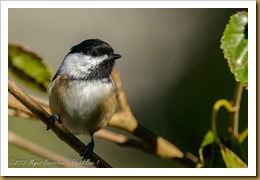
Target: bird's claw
(88, 150)
(52, 120)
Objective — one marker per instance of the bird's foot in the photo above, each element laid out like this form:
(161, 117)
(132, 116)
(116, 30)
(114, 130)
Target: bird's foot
(52, 120)
(89, 149)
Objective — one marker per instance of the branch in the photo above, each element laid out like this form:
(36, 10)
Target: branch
(148, 141)
(116, 138)
(57, 128)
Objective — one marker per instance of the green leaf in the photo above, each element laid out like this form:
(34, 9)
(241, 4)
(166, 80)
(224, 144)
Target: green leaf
(207, 140)
(215, 154)
(28, 68)
(234, 45)
(231, 159)
(234, 145)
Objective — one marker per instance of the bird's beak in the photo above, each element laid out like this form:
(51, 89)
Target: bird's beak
(115, 56)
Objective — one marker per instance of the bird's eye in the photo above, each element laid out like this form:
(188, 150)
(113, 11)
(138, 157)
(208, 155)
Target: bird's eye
(94, 53)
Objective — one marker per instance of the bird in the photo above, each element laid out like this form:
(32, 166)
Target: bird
(82, 95)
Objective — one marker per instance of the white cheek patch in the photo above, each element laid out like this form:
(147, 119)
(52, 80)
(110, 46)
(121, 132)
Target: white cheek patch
(78, 64)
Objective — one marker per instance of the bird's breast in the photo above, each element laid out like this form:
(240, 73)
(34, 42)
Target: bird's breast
(83, 106)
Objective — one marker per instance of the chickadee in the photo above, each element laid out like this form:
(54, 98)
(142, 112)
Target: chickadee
(82, 95)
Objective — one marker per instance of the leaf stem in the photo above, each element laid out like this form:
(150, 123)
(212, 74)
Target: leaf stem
(216, 107)
(243, 135)
(234, 121)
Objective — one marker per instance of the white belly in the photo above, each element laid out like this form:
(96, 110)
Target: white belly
(83, 106)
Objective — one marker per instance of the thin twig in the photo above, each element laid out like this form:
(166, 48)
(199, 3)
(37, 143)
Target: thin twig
(57, 128)
(119, 139)
(40, 151)
(16, 108)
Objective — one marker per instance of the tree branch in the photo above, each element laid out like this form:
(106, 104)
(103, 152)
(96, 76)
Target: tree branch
(148, 142)
(57, 128)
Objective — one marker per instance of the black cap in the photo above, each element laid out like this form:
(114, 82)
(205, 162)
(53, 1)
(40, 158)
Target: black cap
(95, 48)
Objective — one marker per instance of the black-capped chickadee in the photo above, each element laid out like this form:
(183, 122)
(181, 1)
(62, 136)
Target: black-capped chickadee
(82, 95)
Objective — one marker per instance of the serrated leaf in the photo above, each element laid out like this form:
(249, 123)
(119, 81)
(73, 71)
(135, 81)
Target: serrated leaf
(28, 68)
(231, 159)
(234, 44)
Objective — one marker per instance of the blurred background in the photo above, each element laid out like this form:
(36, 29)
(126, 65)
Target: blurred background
(172, 70)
